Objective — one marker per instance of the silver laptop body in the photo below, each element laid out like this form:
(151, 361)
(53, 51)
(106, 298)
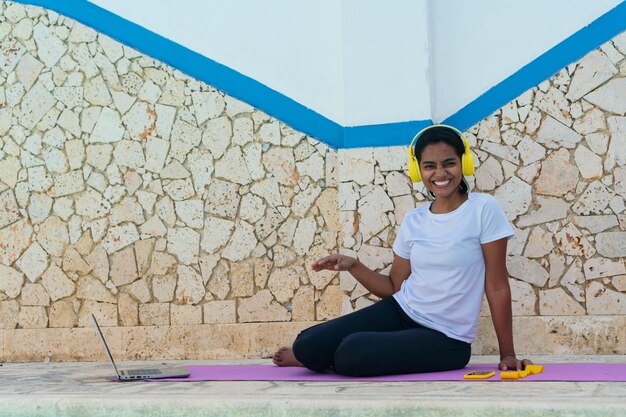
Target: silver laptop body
(133, 374)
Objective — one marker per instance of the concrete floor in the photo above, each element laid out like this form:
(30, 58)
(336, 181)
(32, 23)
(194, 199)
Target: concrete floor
(81, 390)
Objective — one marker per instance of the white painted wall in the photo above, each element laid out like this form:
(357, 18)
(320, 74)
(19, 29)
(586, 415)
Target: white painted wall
(293, 47)
(476, 44)
(385, 54)
(354, 61)
(362, 62)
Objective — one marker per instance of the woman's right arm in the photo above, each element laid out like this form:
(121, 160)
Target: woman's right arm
(378, 284)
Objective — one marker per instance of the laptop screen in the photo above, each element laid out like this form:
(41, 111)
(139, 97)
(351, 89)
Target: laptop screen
(104, 343)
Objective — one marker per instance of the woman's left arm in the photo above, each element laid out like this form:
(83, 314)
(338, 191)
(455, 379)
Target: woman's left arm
(498, 294)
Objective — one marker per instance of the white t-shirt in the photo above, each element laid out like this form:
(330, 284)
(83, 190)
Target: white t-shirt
(445, 289)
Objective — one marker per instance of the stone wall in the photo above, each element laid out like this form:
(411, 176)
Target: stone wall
(185, 219)
(134, 192)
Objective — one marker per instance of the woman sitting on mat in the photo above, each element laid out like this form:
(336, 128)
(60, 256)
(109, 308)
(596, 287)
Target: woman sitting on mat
(447, 255)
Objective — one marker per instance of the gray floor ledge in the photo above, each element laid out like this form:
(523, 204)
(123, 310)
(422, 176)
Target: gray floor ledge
(81, 390)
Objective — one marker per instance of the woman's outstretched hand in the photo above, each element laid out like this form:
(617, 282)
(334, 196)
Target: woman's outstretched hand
(511, 363)
(334, 262)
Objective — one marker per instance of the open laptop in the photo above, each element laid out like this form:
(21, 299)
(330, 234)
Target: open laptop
(132, 374)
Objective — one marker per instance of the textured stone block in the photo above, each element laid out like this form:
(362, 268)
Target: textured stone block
(611, 244)
(32, 317)
(106, 313)
(527, 270)
(190, 286)
(12, 281)
(140, 290)
(35, 295)
(523, 298)
(284, 281)
(90, 288)
(8, 314)
(185, 314)
(10, 210)
(603, 267)
(154, 314)
(242, 279)
(184, 243)
(127, 310)
(556, 302)
(73, 263)
(35, 105)
(220, 311)
(123, 267)
(558, 176)
(14, 240)
(602, 300)
(594, 69)
(571, 241)
(62, 314)
(514, 196)
(119, 237)
(241, 244)
(262, 307)
(593, 200)
(53, 236)
(163, 286)
(303, 304)
(329, 305)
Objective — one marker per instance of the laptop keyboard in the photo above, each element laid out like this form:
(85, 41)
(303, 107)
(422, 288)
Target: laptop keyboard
(135, 372)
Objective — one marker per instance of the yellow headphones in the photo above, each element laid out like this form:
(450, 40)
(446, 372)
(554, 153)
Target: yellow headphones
(467, 160)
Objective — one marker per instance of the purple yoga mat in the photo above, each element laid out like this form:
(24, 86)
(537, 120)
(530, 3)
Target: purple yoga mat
(552, 372)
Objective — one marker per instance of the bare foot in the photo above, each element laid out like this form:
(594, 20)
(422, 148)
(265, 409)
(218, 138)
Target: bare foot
(284, 357)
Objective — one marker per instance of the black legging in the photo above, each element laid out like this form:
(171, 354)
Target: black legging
(378, 340)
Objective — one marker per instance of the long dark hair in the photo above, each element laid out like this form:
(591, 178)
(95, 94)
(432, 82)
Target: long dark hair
(448, 136)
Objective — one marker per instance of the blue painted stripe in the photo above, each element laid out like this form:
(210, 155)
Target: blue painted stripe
(307, 120)
(388, 134)
(601, 30)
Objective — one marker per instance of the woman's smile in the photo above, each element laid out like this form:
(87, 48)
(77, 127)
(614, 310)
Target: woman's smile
(442, 183)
